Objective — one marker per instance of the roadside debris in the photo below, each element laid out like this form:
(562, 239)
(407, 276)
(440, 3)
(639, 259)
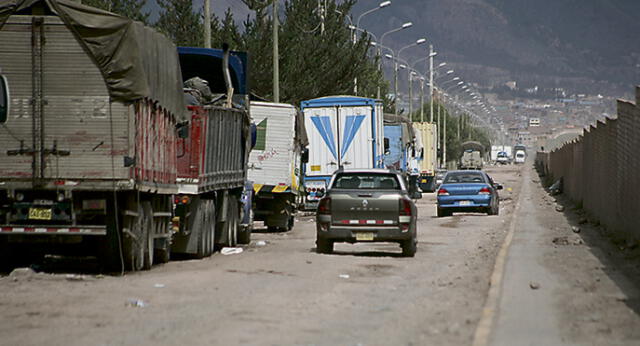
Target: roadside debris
(158, 285)
(559, 208)
(136, 303)
(534, 285)
(583, 220)
(261, 243)
(344, 276)
(575, 229)
(231, 250)
(22, 274)
(560, 241)
(556, 188)
(75, 277)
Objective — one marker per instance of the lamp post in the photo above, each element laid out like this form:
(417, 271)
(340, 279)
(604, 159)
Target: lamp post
(395, 78)
(353, 32)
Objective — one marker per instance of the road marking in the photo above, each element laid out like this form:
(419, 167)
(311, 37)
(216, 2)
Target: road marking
(483, 329)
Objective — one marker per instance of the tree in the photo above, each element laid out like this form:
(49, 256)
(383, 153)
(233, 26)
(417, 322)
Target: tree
(225, 31)
(129, 8)
(178, 21)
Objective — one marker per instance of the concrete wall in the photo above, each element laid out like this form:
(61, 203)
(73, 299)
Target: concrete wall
(601, 169)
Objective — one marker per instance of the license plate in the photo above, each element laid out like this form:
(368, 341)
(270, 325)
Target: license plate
(464, 203)
(39, 214)
(364, 236)
(424, 180)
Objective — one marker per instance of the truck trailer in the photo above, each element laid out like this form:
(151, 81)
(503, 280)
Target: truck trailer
(98, 144)
(428, 156)
(275, 163)
(343, 131)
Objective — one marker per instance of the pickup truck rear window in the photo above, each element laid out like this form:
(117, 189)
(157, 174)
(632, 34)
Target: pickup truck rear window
(366, 181)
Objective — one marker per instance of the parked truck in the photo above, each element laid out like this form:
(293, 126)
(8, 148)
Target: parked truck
(400, 150)
(343, 131)
(275, 163)
(428, 156)
(98, 145)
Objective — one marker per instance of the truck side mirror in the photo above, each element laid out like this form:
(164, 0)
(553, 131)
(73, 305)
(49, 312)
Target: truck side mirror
(305, 156)
(4, 99)
(386, 146)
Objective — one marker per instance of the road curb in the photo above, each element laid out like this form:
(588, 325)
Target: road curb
(483, 329)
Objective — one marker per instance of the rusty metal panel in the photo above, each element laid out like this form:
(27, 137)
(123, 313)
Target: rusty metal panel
(78, 116)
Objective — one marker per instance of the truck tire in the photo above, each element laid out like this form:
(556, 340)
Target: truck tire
(149, 233)
(244, 235)
(291, 222)
(409, 248)
(133, 246)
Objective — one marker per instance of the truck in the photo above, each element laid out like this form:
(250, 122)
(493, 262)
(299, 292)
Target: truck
(520, 155)
(472, 155)
(400, 153)
(495, 149)
(98, 144)
(343, 131)
(275, 163)
(428, 157)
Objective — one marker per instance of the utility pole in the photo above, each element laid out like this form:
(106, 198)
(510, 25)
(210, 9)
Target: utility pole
(207, 24)
(395, 85)
(422, 99)
(276, 54)
(444, 139)
(355, 79)
(378, 96)
(410, 94)
(431, 82)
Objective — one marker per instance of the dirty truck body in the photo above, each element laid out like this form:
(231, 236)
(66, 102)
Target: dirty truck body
(275, 163)
(343, 131)
(91, 155)
(472, 155)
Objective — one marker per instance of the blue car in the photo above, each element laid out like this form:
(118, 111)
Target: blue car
(468, 191)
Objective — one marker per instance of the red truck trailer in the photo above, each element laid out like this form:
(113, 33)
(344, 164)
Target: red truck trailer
(97, 144)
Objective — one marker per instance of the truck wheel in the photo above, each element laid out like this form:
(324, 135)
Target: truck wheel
(244, 235)
(232, 222)
(163, 251)
(324, 246)
(149, 233)
(409, 248)
(441, 212)
(133, 240)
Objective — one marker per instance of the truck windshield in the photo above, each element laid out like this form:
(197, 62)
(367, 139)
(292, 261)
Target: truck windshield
(366, 181)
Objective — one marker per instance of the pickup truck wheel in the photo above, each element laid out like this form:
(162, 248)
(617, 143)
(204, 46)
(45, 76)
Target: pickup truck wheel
(324, 246)
(409, 248)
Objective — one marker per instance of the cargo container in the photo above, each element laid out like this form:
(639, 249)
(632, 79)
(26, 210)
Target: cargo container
(343, 131)
(428, 156)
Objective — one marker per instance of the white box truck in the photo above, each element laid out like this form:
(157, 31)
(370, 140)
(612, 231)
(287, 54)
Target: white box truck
(344, 132)
(275, 163)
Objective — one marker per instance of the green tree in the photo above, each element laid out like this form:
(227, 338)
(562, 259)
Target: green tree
(226, 31)
(179, 22)
(128, 8)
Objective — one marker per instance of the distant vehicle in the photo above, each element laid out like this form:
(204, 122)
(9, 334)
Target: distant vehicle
(471, 156)
(502, 158)
(495, 149)
(470, 190)
(428, 133)
(534, 122)
(370, 205)
(520, 157)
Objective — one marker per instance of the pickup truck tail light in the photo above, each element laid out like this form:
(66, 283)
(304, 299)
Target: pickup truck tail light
(443, 192)
(484, 191)
(405, 207)
(324, 207)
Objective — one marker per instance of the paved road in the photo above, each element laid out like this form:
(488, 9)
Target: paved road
(284, 293)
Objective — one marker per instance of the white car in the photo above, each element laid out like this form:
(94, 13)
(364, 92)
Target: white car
(520, 157)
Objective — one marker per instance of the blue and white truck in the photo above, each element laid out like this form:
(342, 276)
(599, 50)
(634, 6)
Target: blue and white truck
(343, 132)
(403, 150)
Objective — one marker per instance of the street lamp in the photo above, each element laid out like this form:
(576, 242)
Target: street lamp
(406, 25)
(380, 6)
(395, 77)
